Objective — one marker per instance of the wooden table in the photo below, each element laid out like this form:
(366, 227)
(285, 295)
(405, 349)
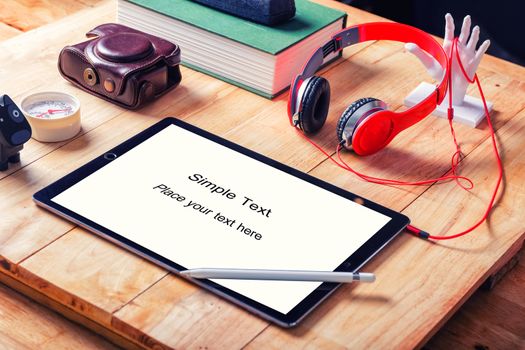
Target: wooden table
(27, 325)
(132, 302)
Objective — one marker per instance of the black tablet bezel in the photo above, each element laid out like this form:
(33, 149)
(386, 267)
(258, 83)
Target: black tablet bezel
(397, 223)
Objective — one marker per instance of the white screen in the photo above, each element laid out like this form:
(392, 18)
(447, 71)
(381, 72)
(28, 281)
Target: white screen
(299, 226)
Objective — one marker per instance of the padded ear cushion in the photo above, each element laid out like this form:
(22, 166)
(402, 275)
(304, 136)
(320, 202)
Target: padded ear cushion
(348, 113)
(314, 105)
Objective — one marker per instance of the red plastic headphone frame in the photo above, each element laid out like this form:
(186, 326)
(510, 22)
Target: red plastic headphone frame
(377, 130)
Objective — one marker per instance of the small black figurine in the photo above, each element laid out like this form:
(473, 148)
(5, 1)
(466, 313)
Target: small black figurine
(14, 132)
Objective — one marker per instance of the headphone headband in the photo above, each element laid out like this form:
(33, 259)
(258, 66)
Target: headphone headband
(377, 31)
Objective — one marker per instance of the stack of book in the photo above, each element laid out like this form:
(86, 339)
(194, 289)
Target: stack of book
(258, 58)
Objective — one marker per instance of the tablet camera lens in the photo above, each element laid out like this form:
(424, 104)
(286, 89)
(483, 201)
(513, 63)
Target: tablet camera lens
(110, 156)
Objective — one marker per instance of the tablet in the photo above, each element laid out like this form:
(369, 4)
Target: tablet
(185, 198)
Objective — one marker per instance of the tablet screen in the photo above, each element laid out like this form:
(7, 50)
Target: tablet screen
(201, 204)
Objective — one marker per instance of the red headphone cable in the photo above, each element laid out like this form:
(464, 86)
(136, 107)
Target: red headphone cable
(425, 235)
(456, 157)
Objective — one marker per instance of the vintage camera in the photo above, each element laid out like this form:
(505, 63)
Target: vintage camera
(122, 65)
(14, 132)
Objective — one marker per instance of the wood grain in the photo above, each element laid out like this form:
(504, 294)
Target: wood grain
(78, 318)
(7, 31)
(137, 300)
(26, 325)
(25, 15)
(489, 320)
(187, 317)
(118, 277)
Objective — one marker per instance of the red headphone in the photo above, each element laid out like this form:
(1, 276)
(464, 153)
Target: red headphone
(366, 126)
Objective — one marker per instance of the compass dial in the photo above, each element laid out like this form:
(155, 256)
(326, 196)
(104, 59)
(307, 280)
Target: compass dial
(54, 116)
(48, 109)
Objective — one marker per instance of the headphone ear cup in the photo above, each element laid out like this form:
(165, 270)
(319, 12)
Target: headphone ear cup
(314, 105)
(353, 115)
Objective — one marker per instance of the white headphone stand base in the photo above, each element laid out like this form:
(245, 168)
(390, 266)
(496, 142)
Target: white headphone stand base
(470, 113)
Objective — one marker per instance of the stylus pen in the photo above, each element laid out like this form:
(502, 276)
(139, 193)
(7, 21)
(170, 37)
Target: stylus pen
(280, 275)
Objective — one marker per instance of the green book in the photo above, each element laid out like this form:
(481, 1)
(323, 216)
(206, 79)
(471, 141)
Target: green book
(253, 56)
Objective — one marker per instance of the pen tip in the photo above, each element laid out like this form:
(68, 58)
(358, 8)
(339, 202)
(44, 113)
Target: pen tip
(367, 277)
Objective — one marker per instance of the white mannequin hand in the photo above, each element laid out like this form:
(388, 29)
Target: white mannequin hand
(470, 57)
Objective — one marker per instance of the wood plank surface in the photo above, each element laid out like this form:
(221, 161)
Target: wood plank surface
(25, 15)
(26, 325)
(139, 301)
(489, 320)
(7, 31)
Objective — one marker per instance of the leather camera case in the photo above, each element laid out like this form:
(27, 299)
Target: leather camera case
(122, 65)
